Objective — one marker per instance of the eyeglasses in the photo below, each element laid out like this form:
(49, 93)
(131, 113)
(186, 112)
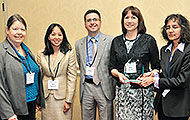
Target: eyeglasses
(94, 19)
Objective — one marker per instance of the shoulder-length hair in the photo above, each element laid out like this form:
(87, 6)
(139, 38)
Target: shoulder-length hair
(64, 47)
(135, 11)
(183, 23)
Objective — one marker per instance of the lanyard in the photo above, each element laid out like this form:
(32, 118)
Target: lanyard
(131, 51)
(23, 61)
(53, 77)
(88, 55)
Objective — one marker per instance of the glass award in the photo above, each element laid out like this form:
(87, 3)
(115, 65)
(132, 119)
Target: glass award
(133, 69)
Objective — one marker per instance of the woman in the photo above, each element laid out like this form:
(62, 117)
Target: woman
(131, 54)
(20, 83)
(57, 63)
(172, 99)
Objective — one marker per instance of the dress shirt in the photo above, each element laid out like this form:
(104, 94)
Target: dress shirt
(89, 52)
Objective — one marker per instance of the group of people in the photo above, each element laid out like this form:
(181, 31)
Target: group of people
(126, 68)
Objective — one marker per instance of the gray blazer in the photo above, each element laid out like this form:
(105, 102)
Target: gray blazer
(102, 61)
(12, 84)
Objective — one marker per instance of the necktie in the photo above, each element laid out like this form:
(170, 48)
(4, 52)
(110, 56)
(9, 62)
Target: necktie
(94, 47)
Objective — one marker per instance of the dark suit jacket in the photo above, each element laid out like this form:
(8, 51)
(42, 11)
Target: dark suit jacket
(102, 61)
(12, 84)
(177, 102)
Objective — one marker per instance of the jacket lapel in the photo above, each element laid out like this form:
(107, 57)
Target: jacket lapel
(174, 59)
(175, 56)
(53, 65)
(101, 46)
(10, 50)
(59, 57)
(165, 58)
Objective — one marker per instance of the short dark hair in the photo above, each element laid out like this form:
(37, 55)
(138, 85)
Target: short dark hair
(92, 11)
(13, 18)
(183, 23)
(135, 11)
(64, 47)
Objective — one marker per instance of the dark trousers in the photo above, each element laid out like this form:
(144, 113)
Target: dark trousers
(161, 115)
(32, 112)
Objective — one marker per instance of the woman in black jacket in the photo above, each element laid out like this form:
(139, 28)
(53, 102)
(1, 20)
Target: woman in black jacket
(131, 54)
(173, 97)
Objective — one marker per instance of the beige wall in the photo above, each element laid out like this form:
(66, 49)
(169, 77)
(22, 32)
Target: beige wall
(69, 13)
(2, 30)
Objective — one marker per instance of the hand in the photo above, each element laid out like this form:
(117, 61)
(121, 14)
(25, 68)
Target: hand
(14, 117)
(148, 78)
(146, 81)
(38, 108)
(147, 74)
(122, 78)
(67, 106)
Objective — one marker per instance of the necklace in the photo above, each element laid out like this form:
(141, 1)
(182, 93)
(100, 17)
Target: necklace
(129, 44)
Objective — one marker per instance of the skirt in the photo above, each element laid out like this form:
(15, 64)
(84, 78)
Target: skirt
(54, 109)
(134, 104)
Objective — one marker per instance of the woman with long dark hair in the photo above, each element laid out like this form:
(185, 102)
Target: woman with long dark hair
(58, 65)
(173, 83)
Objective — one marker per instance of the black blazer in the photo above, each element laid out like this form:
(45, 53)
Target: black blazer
(177, 102)
(145, 49)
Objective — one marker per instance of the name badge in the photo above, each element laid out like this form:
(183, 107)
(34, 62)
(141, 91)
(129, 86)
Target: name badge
(130, 67)
(53, 85)
(29, 78)
(89, 70)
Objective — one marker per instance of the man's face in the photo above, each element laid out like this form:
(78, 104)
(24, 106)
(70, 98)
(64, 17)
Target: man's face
(93, 23)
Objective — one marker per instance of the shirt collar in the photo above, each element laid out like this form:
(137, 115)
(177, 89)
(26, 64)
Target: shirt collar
(180, 47)
(96, 37)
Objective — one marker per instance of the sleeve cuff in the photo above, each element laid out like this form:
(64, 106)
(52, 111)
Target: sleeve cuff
(156, 80)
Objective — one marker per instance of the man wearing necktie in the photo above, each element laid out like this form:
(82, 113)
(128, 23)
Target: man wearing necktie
(97, 88)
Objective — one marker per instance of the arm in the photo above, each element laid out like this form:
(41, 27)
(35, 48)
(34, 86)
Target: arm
(40, 99)
(71, 77)
(180, 78)
(6, 110)
(148, 78)
(154, 55)
(113, 67)
(38, 61)
(121, 76)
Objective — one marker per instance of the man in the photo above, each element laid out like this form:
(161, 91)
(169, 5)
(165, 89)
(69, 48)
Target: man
(96, 85)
